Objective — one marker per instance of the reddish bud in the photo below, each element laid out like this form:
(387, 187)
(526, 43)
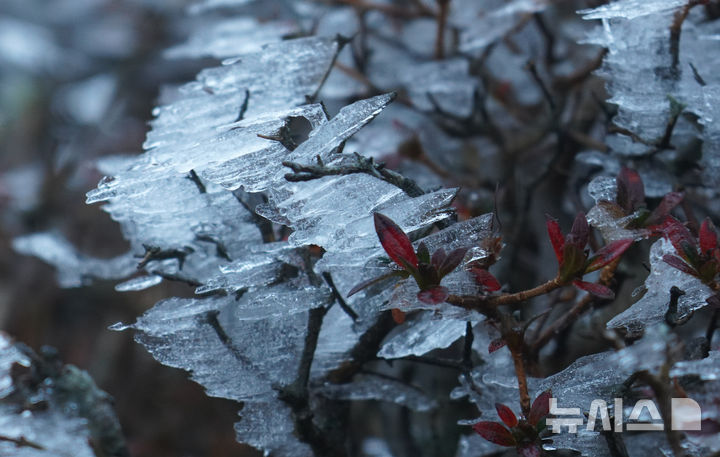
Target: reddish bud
(495, 433)
(506, 415)
(598, 290)
(395, 242)
(607, 254)
(630, 190)
(579, 233)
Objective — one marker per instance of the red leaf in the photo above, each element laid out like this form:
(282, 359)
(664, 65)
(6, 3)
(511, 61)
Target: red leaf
(579, 233)
(506, 415)
(530, 450)
(607, 254)
(630, 190)
(598, 290)
(395, 242)
(496, 344)
(452, 261)
(677, 262)
(437, 294)
(708, 237)
(495, 433)
(679, 235)
(438, 258)
(398, 316)
(540, 408)
(556, 237)
(669, 201)
(485, 279)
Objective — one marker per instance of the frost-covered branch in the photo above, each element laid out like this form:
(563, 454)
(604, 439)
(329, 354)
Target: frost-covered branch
(358, 164)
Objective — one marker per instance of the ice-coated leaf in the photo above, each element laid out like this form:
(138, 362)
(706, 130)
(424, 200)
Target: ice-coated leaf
(246, 337)
(267, 424)
(139, 283)
(375, 388)
(612, 223)
(607, 254)
(601, 376)
(603, 188)
(630, 9)
(421, 334)
(653, 305)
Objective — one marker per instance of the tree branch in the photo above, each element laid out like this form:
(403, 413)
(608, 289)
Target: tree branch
(302, 172)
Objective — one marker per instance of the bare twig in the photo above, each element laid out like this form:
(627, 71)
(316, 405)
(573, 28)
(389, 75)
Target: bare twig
(676, 29)
(576, 311)
(243, 107)
(361, 164)
(339, 298)
(192, 176)
(22, 442)
(443, 10)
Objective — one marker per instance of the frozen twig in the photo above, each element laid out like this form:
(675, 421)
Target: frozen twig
(361, 164)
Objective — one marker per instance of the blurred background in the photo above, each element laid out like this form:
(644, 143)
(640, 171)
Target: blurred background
(78, 80)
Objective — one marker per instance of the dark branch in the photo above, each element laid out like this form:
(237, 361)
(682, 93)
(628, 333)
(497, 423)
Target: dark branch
(339, 298)
(359, 164)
